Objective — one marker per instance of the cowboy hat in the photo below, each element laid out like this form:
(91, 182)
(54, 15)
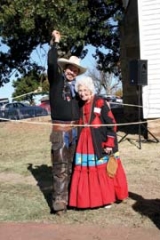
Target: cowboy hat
(73, 60)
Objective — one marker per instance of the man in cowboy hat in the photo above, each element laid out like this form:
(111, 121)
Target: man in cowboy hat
(64, 112)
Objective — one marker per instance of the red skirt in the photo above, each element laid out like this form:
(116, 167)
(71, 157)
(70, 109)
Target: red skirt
(91, 187)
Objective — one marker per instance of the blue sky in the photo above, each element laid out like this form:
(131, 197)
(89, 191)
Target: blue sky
(40, 55)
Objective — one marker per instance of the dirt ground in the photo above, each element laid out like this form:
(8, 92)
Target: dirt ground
(137, 219)
(33, 231)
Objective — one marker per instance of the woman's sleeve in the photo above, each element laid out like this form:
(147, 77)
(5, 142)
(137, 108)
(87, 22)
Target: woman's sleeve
(110, 131)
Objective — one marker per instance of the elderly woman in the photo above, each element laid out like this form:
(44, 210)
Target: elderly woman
(91, 187)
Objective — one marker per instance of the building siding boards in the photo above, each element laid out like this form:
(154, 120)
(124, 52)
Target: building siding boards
(149, 34)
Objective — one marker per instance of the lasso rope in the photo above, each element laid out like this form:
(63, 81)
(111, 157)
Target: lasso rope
(78, 125)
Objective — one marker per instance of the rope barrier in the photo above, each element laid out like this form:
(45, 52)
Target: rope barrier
(79, 125)
(39, 89)
(25, 94)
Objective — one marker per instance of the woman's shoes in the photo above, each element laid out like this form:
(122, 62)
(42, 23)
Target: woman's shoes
(108, 206)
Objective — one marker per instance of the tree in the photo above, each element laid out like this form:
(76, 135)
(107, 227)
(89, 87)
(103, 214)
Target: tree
(105, 82)
(119, 93)
(26, 24)
(28, 86)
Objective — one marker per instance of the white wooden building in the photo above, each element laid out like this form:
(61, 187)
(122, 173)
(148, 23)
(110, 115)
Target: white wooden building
(148, 12)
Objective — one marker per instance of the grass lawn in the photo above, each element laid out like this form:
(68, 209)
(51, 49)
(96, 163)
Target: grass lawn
(26, 180)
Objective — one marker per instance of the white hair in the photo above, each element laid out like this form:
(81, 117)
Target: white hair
(85, 81)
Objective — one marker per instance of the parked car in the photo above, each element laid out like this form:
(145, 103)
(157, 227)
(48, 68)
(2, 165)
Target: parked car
(3, 101)
(45, 104)
(114, 102)
(18, 110)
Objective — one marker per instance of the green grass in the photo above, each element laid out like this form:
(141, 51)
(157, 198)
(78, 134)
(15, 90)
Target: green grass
(26, 181)
(21, 202)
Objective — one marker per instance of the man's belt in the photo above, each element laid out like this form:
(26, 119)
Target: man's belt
(64, 125)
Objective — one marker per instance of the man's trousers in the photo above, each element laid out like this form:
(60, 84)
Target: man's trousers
(62, 155)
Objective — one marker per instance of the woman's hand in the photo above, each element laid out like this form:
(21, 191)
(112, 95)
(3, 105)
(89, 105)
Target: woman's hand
(108, 150)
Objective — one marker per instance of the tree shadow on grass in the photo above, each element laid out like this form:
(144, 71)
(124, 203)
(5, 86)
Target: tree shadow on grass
(43, 176)
(147, 207)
